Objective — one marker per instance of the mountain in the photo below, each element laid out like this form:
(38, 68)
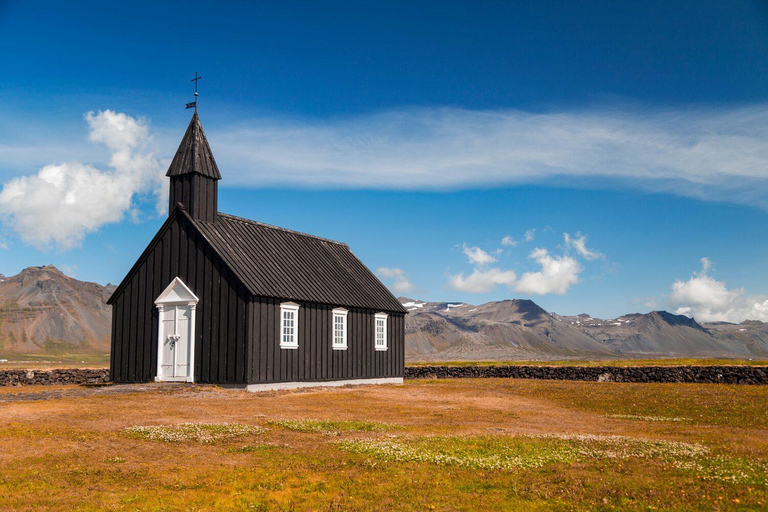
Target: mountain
(520, 329)
(43, 311)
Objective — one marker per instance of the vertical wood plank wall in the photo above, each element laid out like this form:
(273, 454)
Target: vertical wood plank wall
(236, 336)
(198, 194)
(315, 358)
(220, 319)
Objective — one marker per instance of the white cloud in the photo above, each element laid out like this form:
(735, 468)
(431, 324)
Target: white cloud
(717, 153)
(579, 243)
(63, 202)
(509, 241)
(708, 300)
(481, 280)
(712, 153)
(70, 270)
(557, 274)
(530, 235)
(477, 256)
(400, 281)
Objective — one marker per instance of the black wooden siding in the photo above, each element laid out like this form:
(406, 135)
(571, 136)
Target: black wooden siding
(315, 359)
(197, 193)
(236, 334)
(220, 317)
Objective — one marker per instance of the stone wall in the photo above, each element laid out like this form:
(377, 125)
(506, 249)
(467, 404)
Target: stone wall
(53, 377)
(700, 374)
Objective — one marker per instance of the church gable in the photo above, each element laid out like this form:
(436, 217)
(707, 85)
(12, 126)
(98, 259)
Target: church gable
(178, 250)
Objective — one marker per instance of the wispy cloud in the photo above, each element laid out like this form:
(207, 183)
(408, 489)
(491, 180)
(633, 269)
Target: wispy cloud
(530, 235)
(509, 241)
(579, 243)
(711, 153)
(482, 280)
(400, 283)
(477, 256)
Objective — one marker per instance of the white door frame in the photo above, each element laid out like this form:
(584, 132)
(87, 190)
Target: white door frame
(176, 294)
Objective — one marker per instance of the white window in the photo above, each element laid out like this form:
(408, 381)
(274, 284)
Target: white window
(381, 331)
(340, 329)
(289, 325)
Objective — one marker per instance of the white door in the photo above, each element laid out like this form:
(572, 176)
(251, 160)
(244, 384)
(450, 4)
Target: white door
(176, 335)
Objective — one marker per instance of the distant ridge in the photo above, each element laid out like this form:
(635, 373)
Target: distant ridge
(44, 311)
(521, 329)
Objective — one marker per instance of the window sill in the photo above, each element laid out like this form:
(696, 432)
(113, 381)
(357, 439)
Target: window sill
(290, 347)
(381, 349)
(339, 348)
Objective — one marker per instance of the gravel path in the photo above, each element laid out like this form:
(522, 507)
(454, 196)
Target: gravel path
(28, 394)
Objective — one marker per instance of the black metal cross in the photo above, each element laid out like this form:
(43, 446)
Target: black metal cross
(194, 103)
(195, 80)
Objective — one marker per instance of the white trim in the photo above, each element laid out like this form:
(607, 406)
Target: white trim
(376, 318)
(277, 386)
(171, 297)
(292, 307)
(340, 312)
(188, 297)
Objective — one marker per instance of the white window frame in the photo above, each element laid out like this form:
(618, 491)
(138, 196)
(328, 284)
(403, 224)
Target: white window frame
(377, 317)
(339, 313)
(294, 308)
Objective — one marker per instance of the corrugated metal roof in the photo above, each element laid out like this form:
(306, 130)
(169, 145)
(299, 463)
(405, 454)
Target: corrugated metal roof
(194, 153)
(285, 264)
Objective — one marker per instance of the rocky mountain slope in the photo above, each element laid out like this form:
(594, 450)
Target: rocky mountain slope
(520, 329)
(43, 311)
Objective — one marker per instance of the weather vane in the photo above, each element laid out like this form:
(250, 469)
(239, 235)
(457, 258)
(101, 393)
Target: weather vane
(194, 103)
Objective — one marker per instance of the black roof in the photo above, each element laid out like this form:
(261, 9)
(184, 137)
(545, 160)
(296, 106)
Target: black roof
(280, 263)
(271, 261)
(194, 153)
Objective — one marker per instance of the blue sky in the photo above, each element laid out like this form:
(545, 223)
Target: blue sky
(422, 134)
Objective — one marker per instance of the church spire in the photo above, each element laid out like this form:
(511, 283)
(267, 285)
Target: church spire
(194, 153)
(194, 175)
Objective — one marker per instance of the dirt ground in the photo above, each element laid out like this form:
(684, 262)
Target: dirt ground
(485, 444)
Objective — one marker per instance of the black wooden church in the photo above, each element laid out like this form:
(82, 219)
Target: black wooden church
(220, 299)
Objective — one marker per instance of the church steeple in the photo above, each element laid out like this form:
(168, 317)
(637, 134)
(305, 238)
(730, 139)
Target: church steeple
(194, 175)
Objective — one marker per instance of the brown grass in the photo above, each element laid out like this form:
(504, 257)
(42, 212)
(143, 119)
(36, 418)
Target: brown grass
(75, 453)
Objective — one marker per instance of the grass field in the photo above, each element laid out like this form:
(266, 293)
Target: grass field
(482, 444)
(42, 362)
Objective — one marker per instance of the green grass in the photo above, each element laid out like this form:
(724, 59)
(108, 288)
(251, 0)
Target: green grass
(332, 427)
(250, 448)
(205, 433)
(515, 453)
(50, 361)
